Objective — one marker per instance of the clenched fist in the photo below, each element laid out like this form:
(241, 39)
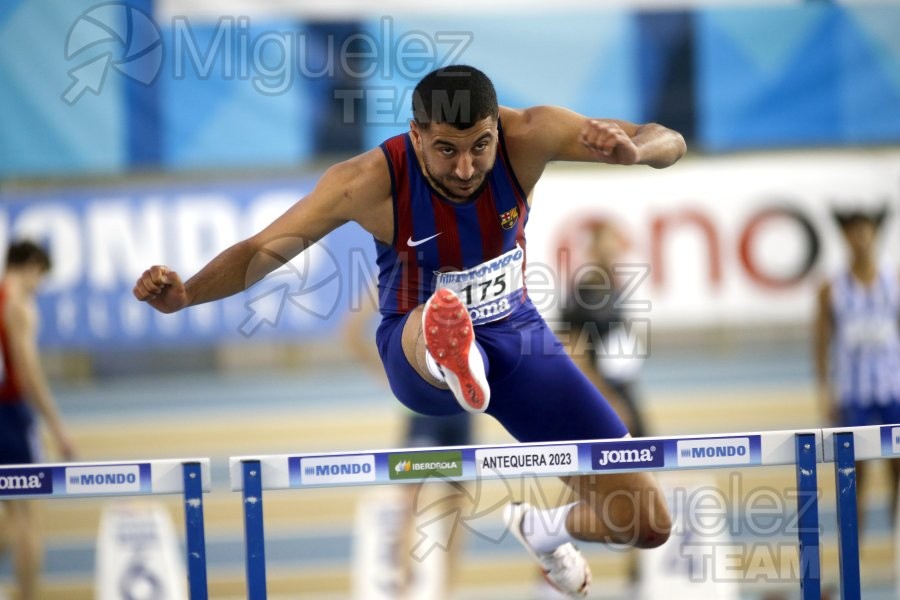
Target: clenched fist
(161, 288)
(609, 143)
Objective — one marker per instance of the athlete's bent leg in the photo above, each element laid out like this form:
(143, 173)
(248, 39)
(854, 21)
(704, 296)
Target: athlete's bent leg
(545, 398)
(621, 508)
(439, 343)
(414, 347)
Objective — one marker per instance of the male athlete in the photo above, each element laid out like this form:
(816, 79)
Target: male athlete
(857, 343)
(24, 395)
(447, 205)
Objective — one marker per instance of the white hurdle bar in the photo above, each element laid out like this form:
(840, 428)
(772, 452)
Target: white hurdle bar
(188, 476)
(802, 448)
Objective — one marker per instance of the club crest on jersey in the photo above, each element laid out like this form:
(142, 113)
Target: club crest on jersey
(509, 218)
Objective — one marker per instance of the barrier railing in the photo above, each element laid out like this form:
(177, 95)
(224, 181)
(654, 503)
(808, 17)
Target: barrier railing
(189, 477)
(844, 446)
(253, 474)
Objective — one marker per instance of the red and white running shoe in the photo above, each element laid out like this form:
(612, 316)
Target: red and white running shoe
(450, 341)
(564, 568)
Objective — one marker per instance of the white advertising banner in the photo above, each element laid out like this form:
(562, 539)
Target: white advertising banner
(734, 240)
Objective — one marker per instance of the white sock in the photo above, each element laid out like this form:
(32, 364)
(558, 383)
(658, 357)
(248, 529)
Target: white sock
(433, 367)
(545, 529)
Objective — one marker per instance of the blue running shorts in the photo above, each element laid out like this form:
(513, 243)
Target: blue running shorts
(18, 435)
(537, 393)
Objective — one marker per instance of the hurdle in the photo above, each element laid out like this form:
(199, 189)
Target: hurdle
(844, 446)
(252, 475)
(189, 477)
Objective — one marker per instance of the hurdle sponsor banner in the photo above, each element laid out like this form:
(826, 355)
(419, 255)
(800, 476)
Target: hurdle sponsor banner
(524, 460)
(164, 476)
(107, 479)
(332, 470)
(731, 451)
(632, 454)
(26, 481)
(538, 458)
(890, 440)
(419, 465)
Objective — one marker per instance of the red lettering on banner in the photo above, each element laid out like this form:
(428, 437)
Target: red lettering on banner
(661, 227)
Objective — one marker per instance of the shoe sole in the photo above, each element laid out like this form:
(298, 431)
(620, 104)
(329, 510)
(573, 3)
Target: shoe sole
(448, 336)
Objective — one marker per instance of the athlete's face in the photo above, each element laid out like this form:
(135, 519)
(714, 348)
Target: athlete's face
(860, 235)
(32, 278)
(457, 161)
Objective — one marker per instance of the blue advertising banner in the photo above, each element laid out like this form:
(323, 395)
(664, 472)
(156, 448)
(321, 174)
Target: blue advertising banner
(101, 240)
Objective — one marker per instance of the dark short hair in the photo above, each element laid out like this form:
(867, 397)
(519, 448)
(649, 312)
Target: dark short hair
(24, 252)
(458, 95)
(847, 217)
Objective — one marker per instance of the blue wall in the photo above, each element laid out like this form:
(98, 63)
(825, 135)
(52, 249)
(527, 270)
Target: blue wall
(195, 94)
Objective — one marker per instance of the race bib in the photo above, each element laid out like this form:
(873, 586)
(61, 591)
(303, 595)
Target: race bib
(492, 289)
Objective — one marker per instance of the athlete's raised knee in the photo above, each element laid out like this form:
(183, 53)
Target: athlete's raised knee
(655, 532)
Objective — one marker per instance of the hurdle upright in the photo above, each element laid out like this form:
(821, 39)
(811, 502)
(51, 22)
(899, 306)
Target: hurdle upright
(844, 446)
(189, 477)
(252, 475)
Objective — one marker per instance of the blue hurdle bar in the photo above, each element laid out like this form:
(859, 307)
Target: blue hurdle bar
(253, 474)
(189, 477)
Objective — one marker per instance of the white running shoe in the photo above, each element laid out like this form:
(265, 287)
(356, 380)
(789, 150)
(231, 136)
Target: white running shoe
(564, 568)
(450, 340)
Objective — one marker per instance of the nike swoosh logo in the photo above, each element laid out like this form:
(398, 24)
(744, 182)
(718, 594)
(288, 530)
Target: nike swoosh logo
(413, 244)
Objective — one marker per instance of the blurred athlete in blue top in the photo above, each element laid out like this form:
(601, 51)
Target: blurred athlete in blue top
(857, 341)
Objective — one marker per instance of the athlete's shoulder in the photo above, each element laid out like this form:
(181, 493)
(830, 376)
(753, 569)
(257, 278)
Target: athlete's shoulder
(350, 188)
(20, 313)
(363, 170)
(522, 123)
(531, 140)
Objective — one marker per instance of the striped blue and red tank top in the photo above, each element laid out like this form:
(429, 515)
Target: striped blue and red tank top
(10, 390)
(434, 235)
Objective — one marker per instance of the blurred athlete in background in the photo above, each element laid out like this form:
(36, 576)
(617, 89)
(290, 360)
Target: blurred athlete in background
(592, 318)
(24, 396)
(857, 346)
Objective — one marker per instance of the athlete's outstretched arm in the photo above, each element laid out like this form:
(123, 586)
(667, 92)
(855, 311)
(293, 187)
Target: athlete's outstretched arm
(344, 192)
(550, 133)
